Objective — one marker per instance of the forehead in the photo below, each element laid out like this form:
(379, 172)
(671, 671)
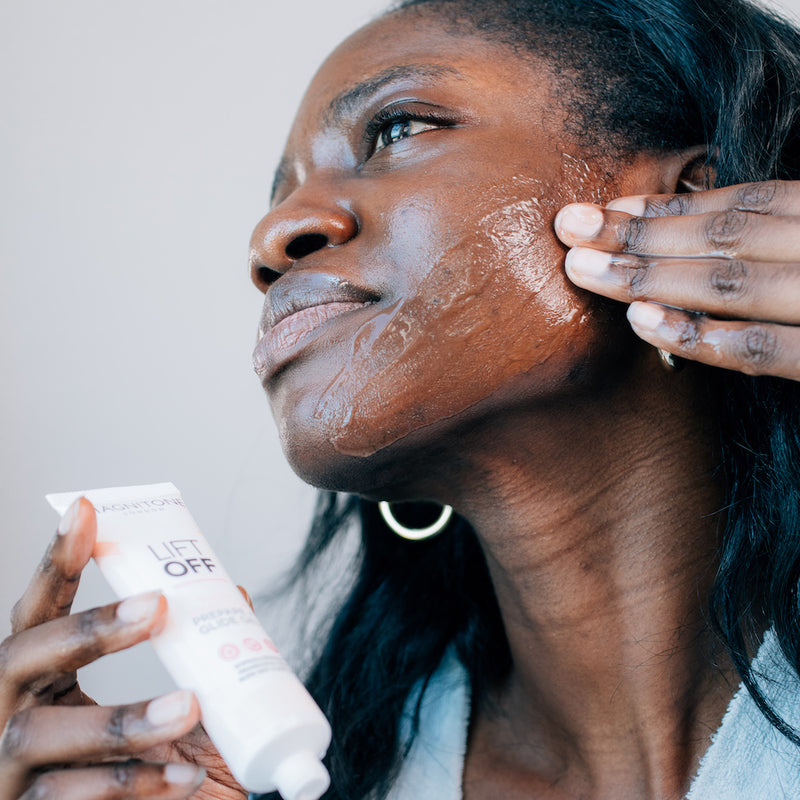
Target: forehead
(414, 49)
(409, 45)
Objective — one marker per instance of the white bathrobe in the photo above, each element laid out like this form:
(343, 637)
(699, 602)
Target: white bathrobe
(747, 760)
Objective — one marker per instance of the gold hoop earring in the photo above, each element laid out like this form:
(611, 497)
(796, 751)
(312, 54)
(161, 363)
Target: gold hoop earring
(415, 534)
(669, 360)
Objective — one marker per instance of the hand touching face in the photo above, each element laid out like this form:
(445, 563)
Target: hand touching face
(712, 276)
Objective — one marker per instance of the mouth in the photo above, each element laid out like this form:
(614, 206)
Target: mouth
(297, 311)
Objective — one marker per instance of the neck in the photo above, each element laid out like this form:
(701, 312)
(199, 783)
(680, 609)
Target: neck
(599, 533)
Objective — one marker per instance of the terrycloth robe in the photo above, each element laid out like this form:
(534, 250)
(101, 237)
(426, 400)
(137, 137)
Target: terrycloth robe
(748, 759)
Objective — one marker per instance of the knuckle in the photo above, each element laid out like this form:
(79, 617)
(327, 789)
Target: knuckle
(677, 205)
(123, 773)
(16, 737)
(757, 197)
(88, 622)
(689, 333)
(53, 566)
(12, 663)
(89, 640)
(728, 280)
(116, 727)
(633, 234)
(639, 280)
(47, 564)
(756, 349)
(724, 229)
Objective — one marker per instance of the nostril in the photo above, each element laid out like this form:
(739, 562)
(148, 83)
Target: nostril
(305, 244)
(264, 276)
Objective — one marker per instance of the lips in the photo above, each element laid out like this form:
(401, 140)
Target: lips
(297, 306)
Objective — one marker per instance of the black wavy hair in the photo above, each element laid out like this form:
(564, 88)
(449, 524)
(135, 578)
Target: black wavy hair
(654, 75)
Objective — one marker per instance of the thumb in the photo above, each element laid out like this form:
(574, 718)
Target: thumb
(246, 596)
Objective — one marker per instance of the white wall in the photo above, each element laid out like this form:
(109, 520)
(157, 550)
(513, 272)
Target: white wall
(137, 143)
(136, 151)
(789, 8)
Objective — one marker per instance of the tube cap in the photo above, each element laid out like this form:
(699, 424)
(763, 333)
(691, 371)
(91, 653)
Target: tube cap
(301, 776)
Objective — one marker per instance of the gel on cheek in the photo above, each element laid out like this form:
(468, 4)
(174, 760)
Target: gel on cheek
(589, 185)
(418, 365)
(382, 371)
(257, 713)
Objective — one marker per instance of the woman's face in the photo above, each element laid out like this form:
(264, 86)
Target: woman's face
(413, 281)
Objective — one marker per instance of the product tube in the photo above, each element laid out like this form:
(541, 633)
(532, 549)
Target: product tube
(257, 713)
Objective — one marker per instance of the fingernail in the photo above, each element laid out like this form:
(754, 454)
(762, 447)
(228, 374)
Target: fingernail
(580, 219)
(169, 709)
(630, 205)
(138, 608)
(183, 774)
(246, 595)
(70, 515)
(645, 316)
(588, 262)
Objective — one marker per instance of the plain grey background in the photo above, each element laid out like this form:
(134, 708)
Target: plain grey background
(137, 144)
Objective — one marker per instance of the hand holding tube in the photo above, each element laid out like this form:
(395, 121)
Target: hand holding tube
(56, 741)
(261, 718)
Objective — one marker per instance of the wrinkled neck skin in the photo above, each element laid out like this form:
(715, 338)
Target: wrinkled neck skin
(601, 556)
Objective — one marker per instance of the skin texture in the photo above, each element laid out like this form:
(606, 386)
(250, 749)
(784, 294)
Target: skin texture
(462, 364)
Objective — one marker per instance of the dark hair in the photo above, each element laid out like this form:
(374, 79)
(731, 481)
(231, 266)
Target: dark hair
(648, 75)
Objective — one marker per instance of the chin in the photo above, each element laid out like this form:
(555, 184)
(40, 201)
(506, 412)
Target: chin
(315, 459)
(384, 473)
(317, 463)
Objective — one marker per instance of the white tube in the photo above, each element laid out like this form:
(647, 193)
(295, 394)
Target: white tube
(258, 714)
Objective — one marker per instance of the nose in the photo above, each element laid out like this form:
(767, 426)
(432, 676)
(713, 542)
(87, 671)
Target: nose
(305, 222)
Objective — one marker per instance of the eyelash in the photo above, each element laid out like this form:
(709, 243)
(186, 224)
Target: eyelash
(395, 115)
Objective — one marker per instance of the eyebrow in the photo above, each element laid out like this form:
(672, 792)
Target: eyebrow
(346, 101)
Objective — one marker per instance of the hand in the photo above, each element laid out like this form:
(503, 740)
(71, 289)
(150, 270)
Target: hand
(712, 276)
(57, 742)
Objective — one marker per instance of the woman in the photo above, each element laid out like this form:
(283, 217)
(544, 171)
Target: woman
(626, 534)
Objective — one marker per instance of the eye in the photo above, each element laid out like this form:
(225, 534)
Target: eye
(396, 122)
(391, 132)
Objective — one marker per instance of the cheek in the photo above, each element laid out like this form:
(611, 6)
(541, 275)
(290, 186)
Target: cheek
(492, 308)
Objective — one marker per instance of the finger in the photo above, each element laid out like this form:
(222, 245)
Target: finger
(123, 780)
(728, 288)
(35, 659)
(752, 348)
(49, 735)
(766, 197)
(53, 586)
(737, 234)
(246, 596)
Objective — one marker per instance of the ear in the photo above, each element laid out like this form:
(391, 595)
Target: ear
(697, 171)
(689, 170)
